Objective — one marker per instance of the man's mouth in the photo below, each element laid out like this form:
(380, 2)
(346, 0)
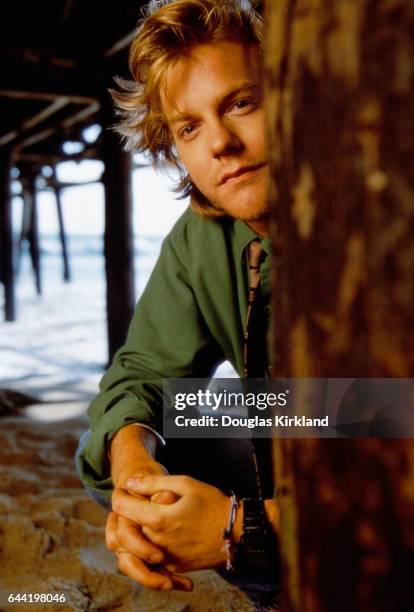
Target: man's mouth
(241, 174)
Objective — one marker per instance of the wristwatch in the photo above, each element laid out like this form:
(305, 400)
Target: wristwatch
(256, 553)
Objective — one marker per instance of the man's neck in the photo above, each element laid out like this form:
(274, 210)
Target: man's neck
(261, 227)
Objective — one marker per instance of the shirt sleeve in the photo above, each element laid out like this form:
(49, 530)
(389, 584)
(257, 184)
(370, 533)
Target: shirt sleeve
(167, 338)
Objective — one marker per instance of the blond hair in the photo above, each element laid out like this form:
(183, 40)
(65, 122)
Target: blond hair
(167, 30)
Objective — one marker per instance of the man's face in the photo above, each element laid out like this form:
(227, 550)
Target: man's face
(214, 108)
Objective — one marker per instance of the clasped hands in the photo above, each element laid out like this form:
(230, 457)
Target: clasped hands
(164, 524)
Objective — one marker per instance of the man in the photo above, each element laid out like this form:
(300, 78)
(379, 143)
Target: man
(197, 103)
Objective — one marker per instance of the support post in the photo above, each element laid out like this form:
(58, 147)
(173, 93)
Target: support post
(33, 235)
(119, 240)
(62, 233)
(6, 236)
(25, 227)
(339, 115)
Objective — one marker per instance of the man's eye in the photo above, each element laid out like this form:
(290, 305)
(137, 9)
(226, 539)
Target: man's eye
(245, 103)
(187, 131)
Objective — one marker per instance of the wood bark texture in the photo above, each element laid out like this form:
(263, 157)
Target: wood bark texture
(340, 84)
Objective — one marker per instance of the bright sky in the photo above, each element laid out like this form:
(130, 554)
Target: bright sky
(155, 206)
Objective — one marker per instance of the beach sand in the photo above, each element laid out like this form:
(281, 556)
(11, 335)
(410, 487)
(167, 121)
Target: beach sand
(52, 533)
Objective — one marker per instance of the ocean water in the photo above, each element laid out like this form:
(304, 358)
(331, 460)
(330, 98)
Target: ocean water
(56, 349)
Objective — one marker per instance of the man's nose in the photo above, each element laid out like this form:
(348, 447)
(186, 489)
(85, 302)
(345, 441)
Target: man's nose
(223, 139)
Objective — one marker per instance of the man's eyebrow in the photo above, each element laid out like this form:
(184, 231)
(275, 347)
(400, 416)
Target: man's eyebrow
(180, 117)
(246, 86)
(221, 101)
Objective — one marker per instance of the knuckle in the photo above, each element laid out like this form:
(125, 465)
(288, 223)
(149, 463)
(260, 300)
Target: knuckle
(120, 539)
(157, 523)
(115, 495)
(123, 540)
(111, 541)
(117, 505)
(185, 480)
(121, 564)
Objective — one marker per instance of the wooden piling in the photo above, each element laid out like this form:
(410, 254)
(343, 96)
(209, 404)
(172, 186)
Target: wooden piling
(6, 229)
(340, 126)
(119, 241)
(33, 234)
(25, 226)
(62, 234)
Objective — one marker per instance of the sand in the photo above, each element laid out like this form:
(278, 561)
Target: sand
(52, 533)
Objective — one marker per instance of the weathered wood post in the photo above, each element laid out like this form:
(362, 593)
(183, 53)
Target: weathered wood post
(119, 239)
(6, 237)
(340, 78)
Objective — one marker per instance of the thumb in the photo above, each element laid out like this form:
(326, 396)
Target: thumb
(164, 497)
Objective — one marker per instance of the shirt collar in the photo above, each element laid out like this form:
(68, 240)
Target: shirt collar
(244, 235)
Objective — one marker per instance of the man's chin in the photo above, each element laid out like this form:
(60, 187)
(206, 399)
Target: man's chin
(248, 206)
(252, 215)
(244, 211)
(261, 216)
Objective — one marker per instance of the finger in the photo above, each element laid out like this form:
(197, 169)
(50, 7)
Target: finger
(141, 511)
(137, 570)
(131, 538)
(161, 497)
(181, 583)
(151, 484)
(164, 497)
(111, 538)
(171, 567)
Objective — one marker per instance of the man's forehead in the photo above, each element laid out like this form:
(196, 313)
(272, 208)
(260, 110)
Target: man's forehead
(212, 71)
(177, 114)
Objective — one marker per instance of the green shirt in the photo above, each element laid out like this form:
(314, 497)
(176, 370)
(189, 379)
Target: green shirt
(190, 318)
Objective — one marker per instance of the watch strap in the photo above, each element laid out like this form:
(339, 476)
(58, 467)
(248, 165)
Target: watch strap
(256, 553)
